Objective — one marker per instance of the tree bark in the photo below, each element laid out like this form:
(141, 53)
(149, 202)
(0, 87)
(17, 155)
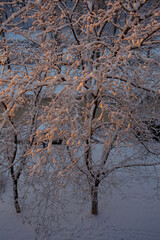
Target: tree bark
(15, 196)
(94, 199)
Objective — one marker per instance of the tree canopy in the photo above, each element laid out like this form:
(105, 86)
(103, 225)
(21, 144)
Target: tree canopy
(79, 77)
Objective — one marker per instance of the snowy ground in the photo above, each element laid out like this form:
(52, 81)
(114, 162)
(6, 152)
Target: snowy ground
(133, 214)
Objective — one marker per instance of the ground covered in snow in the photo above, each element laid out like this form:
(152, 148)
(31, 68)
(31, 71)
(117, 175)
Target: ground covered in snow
(133, 213)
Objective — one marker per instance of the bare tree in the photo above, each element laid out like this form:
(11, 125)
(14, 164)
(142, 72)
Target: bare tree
(100, 85)
(20, 130)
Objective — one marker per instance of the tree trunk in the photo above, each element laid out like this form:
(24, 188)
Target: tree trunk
(15, 196)
(94, 200)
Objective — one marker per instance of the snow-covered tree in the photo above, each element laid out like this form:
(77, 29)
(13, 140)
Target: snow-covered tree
(87, 73)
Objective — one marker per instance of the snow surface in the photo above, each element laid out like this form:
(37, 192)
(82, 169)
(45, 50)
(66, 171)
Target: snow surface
(11, 226)
(133, 214)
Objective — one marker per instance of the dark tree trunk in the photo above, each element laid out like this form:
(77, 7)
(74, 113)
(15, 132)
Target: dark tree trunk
(94, 199)
(15, 196)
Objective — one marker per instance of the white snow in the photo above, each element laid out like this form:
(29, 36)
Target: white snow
(11, 226)
(133, 214)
